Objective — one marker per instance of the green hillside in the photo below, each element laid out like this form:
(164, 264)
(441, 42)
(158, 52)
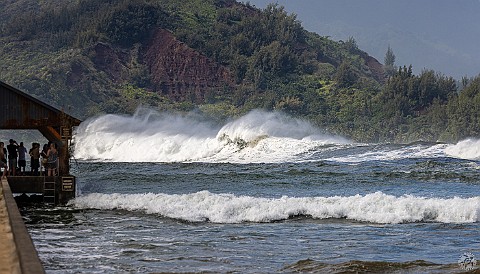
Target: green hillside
(222, 58)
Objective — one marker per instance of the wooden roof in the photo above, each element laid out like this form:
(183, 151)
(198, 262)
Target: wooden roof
(19, 110)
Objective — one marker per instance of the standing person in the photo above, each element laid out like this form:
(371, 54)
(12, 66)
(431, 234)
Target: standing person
(5, 168)
(22, 161)
(12, 157)
(3, 158)
(52, 156)
(44, 157)
(35, 158)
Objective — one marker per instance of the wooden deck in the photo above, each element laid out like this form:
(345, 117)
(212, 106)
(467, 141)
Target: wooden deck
(54, 189)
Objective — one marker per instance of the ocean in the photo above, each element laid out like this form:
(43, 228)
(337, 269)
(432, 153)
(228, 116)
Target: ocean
(265, 193)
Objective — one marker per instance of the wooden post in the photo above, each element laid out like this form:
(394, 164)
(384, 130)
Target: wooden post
(63, 159)
(66, 133)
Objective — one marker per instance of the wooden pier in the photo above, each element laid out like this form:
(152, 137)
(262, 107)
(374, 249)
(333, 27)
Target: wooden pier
(17, 252)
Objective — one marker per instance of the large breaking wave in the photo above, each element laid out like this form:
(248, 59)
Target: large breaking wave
(467, 149)
(228, 208)
(257, 137)
(149, 136)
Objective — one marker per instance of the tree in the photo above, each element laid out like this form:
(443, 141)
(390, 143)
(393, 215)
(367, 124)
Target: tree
(351, 45)
(389, 62)
(345, 76)
(131, 24)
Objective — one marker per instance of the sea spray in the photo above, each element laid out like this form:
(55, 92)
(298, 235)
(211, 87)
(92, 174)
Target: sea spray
(274, 124)
(149, 136)
(144, 137)
(395, 152)
(228, 208)
(467, 149)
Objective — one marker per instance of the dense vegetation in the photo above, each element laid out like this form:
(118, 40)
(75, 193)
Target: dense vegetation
(275, 64)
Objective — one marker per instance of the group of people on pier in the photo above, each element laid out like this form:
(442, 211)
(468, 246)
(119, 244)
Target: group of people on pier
(45, 159)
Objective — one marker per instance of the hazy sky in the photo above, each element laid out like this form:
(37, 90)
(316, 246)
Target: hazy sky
(443, 35)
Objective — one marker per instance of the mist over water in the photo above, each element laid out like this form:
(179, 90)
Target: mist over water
(257, 137)
(149, 136)
(467, 149)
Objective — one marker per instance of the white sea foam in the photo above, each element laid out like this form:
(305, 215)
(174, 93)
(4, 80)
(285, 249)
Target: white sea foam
(388, 154)
(467, 149)
(227, 208)
(149, 136)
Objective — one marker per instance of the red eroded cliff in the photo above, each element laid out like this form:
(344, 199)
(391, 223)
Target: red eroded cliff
(175, 69)
(179, 71)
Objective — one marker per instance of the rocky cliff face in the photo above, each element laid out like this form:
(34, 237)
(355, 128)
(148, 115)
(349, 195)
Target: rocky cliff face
(174, 69)
(178, 71)
(376, 68)
(112, 61)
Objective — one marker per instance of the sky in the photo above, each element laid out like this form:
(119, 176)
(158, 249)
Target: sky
(442, 35)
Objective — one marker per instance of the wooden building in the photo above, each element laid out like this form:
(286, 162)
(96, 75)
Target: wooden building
(19, 110)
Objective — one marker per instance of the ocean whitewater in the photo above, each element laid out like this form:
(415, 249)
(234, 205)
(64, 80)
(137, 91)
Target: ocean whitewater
(260, 194)
(149, 136)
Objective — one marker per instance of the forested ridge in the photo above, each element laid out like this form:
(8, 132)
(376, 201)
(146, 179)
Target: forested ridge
(223, 58)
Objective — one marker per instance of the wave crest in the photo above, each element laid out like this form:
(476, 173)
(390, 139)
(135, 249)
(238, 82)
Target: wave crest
(149, 136)
(227, 208)
(468, 149)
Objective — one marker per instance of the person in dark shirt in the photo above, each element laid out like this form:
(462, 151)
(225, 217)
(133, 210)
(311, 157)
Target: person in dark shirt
(35, 158)
(3, 159)
(12, 157)
(22, 161)
(43, 153)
